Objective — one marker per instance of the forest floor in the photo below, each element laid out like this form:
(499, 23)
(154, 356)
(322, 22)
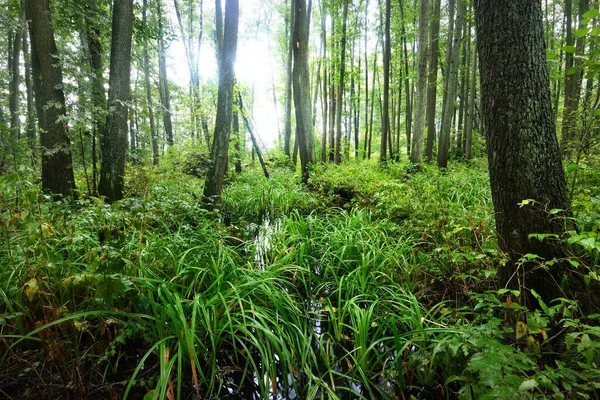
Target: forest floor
(366, 283)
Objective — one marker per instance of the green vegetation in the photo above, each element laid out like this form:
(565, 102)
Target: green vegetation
(372, 283)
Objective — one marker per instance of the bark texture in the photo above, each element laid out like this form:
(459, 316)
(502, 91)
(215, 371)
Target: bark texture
(57, 167)
(301, 87)
(522, 146)
(416, 154)
(112, 171)
(216, 173)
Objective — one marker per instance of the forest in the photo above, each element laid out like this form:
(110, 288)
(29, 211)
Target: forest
(299, 199)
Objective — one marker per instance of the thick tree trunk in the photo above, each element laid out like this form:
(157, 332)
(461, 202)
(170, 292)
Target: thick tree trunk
(432, 79)
(526, 174)
(301, 82)
(57, 166)
(213, 187)
(112, 171)
(416, 154)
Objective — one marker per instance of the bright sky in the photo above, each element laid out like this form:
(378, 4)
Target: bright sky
(255, 68)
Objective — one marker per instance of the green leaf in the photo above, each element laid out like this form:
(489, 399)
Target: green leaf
(528, 385)
(150, 395)
(569, 49)
(581, 32)
(595, 31)
(31, 288)
(593, 13)
(572, 70)
(550, 55)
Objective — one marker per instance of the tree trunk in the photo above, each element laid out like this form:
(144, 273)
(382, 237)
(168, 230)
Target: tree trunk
(112, 171)
(416, 154)
(57, 165)
(31, 128)
(15, 80)
(237, 141)
(153, 135)
(287, 132)
(301, 82)
(452, 57)
(432, 80)
(163, 81)
(471, 113)
(523, 153)
(387, 55)
(407, 85)
(213, 187)
(337, 157)
(573, 79)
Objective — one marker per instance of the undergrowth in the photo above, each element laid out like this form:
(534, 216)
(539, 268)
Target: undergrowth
(368, 283)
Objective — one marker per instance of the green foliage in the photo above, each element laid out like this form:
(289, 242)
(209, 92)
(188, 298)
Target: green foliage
(279, 294)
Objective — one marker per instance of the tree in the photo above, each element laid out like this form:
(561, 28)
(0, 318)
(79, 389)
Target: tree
(387, 55)
(216, 173)
(301, 86)
(337, 157)
(112, 170)
(452, 55)
(432, 79)
(153, 133)
(163, 82)
(416, 153)
(57, 167)
(526, 174)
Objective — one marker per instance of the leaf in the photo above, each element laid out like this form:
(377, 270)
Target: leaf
(526, 202)
(31, 288)
(528, 385)
(581, 32)
(151, 394)
(593, 13)
(569, 49)
(521, 330)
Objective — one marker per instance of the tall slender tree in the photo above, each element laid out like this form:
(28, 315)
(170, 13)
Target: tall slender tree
(416, 154)
(434, 38)
(149, 102)
(452, 59)
(213, 187)
(340, 95)
(301, 83)
(112, 171)
(57, 167)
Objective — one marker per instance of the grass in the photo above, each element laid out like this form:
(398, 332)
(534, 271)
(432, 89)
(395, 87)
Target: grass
(389, 293)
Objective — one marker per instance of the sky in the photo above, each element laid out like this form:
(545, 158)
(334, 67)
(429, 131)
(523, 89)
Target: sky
(256, 66)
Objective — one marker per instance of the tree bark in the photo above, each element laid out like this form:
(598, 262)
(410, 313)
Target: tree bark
(387, 55)
(213, 187)
(287, 132)
(432, 79)
(471, 112)
(337, 158)
(301, 83)
(57, 165)
(31, 127)
(452, 57)
(416, 154)
(163, 81)
(153, 134)
(112, 171)
(523, 152)
(15, 80)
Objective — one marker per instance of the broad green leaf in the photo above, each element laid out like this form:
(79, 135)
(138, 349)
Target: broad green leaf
(569, 49)
(593, 13)
(581, 32)
(528, 385)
